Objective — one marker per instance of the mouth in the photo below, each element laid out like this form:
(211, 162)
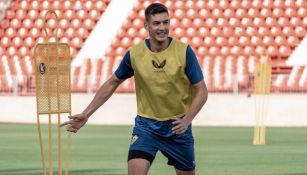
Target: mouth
(161, 34)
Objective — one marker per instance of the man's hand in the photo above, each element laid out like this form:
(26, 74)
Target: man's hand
(181, 125)
(75, 122)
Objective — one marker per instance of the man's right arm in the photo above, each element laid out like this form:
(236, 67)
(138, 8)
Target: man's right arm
(123, 72)
(102, 95)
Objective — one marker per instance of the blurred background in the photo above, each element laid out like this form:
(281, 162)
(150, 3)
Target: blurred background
(228, 37)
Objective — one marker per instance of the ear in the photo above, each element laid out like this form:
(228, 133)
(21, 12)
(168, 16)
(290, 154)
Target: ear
(146, 25)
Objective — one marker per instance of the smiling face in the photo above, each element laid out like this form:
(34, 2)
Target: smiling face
(158, 27)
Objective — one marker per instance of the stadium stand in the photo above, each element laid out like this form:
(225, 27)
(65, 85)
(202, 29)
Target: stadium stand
(227, 36)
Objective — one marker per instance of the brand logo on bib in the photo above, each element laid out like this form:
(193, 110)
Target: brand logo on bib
(42, 68)
(157, 65)
(134, 138)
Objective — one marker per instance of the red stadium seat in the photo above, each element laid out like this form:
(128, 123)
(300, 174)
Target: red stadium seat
(10, 14)
(11, 50)
(76, 42)
(234, 22)
(4, 23)
(244, 40)
(229, 13)
(269, 21)
(275, 31)
(179, 4)
(88, 23)
(249, 50)
(300, 31)
(10, 32)
(68, 4)
(263, 31)
(94, 14)
(220, 41)
(200, 5)
(126, 42)
(239, 31)
(82, 32)
(235, 4)
(246, 4)
(204, 14)
(279, 3)
(246, 22)
(292, 41)
(268, 4)
(39, 23)
(253, 12)
(191, 13)
(35, 5)
(215, 31)
(222, 22)
(5, 41)
(217, 13)
(23, 51)
(279, 40)
(100, 5)
(203, 31)
(227, 31)
(190, 4)
(190, 32)
(223, 4)
(241, 13)
(178, 13)
(202, 51)
(17, 42)
(295, 21)
(267, 41)
(76, 23)
(225, 50)
(45, 5)
(290, 3)
(305, 21)
(186, 22)
(284, 51)
(208, 41)
(302, 12)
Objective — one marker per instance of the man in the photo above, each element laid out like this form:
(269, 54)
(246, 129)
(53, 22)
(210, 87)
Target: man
(170, 92)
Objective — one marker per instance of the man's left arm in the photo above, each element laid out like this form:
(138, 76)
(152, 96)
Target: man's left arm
(199, 89)
(200, 98)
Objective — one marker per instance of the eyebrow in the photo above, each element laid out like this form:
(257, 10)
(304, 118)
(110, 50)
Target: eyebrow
(161, 21)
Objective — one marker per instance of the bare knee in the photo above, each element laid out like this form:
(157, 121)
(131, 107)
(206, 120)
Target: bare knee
(138, 167)
(180, 172)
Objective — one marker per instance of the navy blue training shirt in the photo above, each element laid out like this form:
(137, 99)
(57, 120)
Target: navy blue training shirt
(192, 68)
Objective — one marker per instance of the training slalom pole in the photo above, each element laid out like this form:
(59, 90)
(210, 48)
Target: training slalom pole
(262, 87)
(53, 93)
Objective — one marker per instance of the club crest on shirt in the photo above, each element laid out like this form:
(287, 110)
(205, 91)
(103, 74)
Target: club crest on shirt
(157, 65)
(133, 139)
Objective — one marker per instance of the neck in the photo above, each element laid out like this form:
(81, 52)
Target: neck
(158, 46)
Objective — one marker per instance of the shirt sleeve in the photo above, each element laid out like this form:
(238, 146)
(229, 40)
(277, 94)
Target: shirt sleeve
(125, 69)
(192, 68)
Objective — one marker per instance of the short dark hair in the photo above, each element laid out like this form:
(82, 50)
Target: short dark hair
(155, 8)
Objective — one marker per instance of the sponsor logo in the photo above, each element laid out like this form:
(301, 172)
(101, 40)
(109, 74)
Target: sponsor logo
(157, 65)
(133, 139)
(42, 68)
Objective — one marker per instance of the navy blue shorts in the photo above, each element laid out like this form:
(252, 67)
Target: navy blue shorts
(150, 136)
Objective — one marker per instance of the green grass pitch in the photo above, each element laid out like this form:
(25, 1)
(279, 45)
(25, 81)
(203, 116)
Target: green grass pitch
(102, 150)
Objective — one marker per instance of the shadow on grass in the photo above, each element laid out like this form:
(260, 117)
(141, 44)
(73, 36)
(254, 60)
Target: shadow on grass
(35, 171)
(290, 174)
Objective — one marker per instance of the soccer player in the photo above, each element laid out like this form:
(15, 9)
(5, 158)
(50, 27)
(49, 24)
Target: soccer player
(170, 92)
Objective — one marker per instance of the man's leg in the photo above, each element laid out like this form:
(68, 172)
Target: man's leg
(138, 167)
(179, 172)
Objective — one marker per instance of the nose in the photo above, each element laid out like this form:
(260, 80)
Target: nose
(162, 26)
